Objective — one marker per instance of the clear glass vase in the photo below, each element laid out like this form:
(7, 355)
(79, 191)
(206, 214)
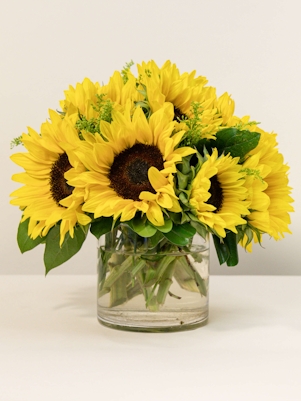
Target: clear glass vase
(150, 284)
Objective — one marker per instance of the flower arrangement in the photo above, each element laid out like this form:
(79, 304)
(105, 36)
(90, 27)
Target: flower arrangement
(160, 154)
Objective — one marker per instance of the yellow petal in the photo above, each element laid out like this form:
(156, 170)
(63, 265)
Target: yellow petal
(155, 215)
(156, 179)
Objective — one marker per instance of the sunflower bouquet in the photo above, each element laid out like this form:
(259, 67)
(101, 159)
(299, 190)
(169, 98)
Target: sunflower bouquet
(158, 156)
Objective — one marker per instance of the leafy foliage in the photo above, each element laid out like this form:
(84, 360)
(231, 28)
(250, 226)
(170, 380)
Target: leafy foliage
(26, 243)
(226, 248)
(101, 226)
(231, 140)
(143, 227)
(55, 255)
(180, 235)
(200, 125)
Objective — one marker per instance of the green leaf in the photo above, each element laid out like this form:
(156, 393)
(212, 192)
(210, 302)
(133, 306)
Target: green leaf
(24, 241)
(200, 228)
(183, 198)
(237, 143)
(182, 180)
(226, 250)
(231, 243)
(180, 235)
(185, 230)
(175, 217)
(101, 226)
(179, 218)
(143, 227)
(55, 255)
(176, 239)
(222, 250)
(240, 232)
(166, 227)
(155, 240)
(185, 166)
(207, 143)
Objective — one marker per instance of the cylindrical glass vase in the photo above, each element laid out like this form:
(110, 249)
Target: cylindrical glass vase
(150, 284)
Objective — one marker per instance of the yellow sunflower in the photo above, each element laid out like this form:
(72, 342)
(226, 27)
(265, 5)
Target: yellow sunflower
(225, 107)
(81, 99)
(166, 84)
(218, 194)
(131, 170)
(270, 197)
(121, 92)
(45, 188)
(85, 98)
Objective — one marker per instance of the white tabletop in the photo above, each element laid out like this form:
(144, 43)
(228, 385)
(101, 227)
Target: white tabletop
(52, 347)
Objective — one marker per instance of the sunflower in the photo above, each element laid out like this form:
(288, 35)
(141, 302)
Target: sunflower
(82, 99)
(45, 189)
(131, 170)
(120, 91)
(270, 200)
(166, 84)
(87, 99)
(225, 107)
(218, 195)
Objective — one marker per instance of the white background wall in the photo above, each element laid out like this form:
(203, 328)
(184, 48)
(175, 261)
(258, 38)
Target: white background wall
(249, 48)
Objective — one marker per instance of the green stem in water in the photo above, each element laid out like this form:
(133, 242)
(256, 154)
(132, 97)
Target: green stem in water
(188, 278)
(162, 266)
(118, 294)
(119, 270)
(185, 275)
(165, 283)
(133, 289)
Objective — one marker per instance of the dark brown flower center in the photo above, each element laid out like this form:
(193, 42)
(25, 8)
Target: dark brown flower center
(58, 185)
(129, 171)
(216, 198)
(178, 115)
